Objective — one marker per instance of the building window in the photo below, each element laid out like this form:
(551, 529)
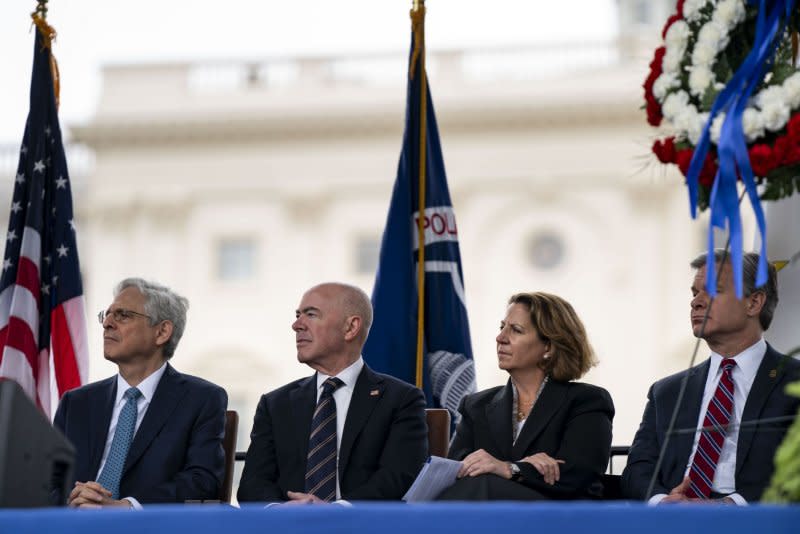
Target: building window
(643, 12)
(367, 254)
(546, 250)
(236, 259)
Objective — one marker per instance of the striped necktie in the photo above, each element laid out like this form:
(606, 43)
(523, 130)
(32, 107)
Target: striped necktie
(712, 437)
(321, 461)
(123, 436)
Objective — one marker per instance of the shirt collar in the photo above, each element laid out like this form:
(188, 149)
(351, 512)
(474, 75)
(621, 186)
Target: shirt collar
(348, 375)
(147, 386)
(747, 361)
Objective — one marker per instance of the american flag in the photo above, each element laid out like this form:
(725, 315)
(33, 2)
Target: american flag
(42, 319)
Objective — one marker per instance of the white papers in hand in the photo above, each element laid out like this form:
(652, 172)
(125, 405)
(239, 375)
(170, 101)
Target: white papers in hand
(435, 476)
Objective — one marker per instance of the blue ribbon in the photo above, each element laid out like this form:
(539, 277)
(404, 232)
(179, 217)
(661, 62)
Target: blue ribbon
(734, 160)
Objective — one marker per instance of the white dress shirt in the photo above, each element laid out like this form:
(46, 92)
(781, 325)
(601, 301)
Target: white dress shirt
(147, 387)
(342, 396)
(743, 374)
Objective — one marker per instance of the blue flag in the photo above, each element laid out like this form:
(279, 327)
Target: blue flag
(448, 369)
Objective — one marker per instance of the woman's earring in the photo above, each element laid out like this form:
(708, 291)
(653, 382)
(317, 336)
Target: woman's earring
(546, 356)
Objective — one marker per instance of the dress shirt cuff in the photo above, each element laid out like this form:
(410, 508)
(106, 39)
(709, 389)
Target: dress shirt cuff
(656, 499)
(738, 499)
(134, 503)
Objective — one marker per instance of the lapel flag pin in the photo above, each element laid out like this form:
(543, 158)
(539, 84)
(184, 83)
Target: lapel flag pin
(374, 393)
(773, 373)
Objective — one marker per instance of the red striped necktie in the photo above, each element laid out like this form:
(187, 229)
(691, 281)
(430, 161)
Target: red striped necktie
(712, 435)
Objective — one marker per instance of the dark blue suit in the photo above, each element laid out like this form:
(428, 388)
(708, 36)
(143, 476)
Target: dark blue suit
(176, 453)
(757, 442)
(383, 446)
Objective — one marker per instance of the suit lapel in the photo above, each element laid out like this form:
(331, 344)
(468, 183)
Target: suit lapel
(688, 415)
(498, 417)
(98, 426)
(303, 402)
(166, 398)
(367, 392)
(546, 406)
(767, 377)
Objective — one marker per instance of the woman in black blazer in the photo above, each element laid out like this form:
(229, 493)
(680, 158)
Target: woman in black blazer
(542, 435)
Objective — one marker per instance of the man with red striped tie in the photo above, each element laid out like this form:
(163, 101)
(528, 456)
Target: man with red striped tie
(734, 400)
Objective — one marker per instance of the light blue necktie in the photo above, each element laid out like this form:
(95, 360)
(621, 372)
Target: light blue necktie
(123, 436)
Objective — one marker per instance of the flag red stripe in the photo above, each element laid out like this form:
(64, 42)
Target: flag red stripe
(65, 362)
(21, 338)
(28, 276)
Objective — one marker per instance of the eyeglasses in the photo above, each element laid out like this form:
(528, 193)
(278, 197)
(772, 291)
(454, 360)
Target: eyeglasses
(120, 315)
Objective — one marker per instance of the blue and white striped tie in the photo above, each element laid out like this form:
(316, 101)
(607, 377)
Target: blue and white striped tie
(123, 436)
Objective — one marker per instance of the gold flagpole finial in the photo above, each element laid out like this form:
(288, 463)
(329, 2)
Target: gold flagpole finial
(780, 264)
(39, 17)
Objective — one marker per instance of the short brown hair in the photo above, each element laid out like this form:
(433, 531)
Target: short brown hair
(749, 270)
(556, 322)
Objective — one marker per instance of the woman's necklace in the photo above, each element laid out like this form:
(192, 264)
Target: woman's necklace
(521, 415)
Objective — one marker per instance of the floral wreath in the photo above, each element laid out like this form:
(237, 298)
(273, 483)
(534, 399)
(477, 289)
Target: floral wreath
(704, 43)
(725, 94)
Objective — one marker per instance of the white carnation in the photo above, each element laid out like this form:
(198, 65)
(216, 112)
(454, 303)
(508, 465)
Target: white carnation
(752, 124)
(703, 55)
(695, 129)
(664, 83)
(771, 96)
(716, 127)
(685, 120)
(699, 80)
(672, 60)
(729, 12)
(677, 35)
(691, 9)
(775, 115)
(714, 35)
(674, 103)
(791, 88)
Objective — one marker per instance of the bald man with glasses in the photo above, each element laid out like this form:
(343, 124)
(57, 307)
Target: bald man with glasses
(149, 434)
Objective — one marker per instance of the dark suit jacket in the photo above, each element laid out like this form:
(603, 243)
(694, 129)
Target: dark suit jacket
(570, 421)
(383, 445)
(755, 448)
(176, 453)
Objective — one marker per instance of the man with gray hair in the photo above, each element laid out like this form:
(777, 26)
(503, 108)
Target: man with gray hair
(345, 432)
(735, 400)
(149, 434)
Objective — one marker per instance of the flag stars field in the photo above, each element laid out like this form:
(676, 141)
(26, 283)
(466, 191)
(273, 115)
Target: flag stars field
(38, 166)
(11, 236)
(16, 207)
(62, 251)
(20, 179)
(61, 183)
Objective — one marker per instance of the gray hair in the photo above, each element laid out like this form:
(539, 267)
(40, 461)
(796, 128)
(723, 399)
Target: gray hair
(749, 269)
(161, 304)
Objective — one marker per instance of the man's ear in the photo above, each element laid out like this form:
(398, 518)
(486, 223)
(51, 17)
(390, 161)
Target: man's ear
(755, 302)
(164, 332)
(352, 327)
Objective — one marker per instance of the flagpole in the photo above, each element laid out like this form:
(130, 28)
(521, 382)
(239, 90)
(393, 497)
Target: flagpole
(418, 26)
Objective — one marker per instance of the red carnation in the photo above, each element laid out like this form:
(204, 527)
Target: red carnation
(665, 150)
(761, 159)
(793, 128)
(707, 173)
(779, 150)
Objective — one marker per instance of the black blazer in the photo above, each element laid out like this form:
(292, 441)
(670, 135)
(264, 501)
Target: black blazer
(755, 448)
(176, 453)
(383, 445)
(570, 421)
